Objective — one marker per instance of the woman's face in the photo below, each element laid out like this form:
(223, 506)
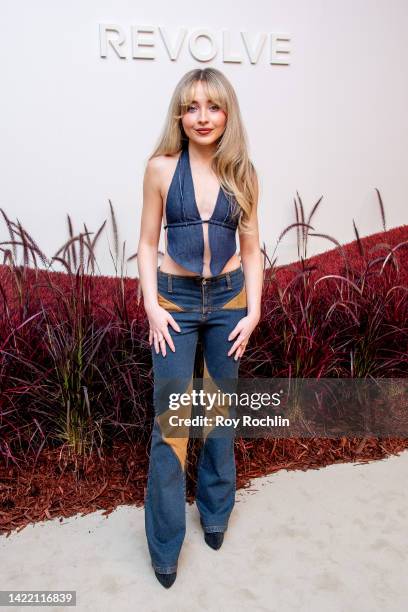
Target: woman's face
(203, 114)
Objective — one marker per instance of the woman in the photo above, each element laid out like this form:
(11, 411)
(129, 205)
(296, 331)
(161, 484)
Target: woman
(202, 183)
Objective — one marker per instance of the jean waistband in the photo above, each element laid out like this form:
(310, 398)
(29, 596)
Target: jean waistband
(198, 278)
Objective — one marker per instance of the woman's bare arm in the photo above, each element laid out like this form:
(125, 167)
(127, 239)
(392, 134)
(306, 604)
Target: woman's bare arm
(251, 257)
(252, 262)
(147, 253)
(150, 226)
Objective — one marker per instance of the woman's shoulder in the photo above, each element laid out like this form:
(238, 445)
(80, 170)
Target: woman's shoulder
(162, 167)
(163, 163)
(164, 158)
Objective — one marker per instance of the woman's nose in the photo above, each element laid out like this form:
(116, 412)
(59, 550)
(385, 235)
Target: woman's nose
(203, 116)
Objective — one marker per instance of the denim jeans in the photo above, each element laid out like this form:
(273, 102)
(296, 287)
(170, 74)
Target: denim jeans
(208, 308)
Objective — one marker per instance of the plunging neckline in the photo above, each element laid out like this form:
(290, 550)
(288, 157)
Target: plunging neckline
(194, 194)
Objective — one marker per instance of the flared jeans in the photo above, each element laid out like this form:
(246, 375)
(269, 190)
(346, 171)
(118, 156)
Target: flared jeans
(209, 309)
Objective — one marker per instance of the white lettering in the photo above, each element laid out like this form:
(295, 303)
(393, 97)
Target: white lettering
(202, 44)
(253, 54)
(276, 49)
(226, 56)
(138, 42)
(173, 53)
(201, 56)
(103, 40)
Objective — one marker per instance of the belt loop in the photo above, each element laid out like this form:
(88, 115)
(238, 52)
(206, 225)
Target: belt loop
(228, 280)
(169, 284)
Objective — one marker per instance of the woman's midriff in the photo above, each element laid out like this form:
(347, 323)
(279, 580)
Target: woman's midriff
(171, 267)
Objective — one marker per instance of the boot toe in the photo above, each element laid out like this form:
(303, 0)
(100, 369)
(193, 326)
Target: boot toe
(214, 540)
(166, 579)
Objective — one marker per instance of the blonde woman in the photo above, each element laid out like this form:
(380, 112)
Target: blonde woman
(202, 184)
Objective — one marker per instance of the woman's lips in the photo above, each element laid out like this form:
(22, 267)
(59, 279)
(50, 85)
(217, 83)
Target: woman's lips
(203, 132)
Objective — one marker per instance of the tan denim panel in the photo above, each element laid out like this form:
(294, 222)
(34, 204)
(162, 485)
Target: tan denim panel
(177, 443)
(168, 304)
(239, 301)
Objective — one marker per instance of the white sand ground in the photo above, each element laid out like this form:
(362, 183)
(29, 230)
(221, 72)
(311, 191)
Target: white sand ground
(330, 540)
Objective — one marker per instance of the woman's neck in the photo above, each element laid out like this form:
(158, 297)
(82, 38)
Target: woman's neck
(201, 154)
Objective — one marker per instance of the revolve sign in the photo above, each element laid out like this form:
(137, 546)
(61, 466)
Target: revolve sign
(204, 45)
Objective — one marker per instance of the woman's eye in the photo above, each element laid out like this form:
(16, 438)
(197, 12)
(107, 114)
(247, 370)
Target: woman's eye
(214, 107)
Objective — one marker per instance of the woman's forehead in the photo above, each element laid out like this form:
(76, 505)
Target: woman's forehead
(202, 92)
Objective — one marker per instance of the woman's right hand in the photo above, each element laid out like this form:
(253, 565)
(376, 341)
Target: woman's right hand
(158, 329)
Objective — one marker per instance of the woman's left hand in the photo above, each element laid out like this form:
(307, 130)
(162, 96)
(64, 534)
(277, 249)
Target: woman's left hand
(244, 329)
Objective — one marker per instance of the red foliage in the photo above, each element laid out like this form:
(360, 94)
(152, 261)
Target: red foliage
(53, 484)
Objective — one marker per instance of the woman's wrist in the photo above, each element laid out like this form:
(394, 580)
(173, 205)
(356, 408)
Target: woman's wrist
(254, 315)
(150, 304)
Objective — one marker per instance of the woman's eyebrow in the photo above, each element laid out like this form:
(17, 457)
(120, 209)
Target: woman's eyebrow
(209, 100)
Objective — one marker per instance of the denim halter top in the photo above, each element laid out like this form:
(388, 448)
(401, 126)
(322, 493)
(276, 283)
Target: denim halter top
(185, 234)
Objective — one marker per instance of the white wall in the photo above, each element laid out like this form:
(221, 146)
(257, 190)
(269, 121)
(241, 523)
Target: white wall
(76, 129)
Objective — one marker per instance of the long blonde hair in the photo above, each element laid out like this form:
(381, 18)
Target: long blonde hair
(231, 162)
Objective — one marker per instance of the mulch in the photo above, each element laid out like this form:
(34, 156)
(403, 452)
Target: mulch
(60, 485)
